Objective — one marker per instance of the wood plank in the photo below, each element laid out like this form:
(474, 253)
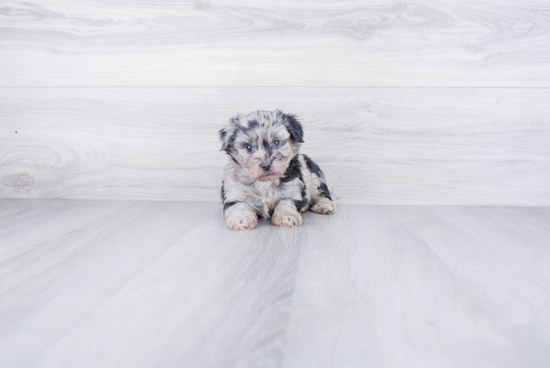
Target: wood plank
(376, 145)
(12, 207)
(515, 249)
(494, 43)
(165, 284)
(402, 286)
(48, 218)
(148, 286)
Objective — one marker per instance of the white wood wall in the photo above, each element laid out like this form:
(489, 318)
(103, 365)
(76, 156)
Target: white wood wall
(403, 102)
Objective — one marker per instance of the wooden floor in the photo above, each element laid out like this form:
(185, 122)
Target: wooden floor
(164, 284)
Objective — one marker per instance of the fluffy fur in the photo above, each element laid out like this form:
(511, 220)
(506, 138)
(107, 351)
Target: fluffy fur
(270, 181)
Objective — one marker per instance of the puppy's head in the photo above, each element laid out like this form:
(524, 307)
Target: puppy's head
(262, 142)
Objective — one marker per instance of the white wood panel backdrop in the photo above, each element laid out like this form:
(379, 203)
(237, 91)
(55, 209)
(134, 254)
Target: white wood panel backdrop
(284, 43)
(484, 143)
(464, 146)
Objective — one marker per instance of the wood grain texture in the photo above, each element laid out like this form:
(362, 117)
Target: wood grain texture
(415, 286)
(376, 145)
(259, 43)
(150, 284)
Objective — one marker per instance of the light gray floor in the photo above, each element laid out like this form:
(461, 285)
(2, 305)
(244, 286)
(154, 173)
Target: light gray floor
(162, 284)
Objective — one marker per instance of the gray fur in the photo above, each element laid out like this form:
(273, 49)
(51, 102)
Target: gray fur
(292, 185)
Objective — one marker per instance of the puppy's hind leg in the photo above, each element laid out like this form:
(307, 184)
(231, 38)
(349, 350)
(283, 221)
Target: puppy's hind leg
(323, 205)
(238, 216)
(321, 201)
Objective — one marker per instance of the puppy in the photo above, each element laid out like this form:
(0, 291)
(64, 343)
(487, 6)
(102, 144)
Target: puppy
(266, 175)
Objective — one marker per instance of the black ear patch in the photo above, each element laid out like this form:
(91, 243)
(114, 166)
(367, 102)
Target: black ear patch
(294, 127)
(227, 135)
(224, 138)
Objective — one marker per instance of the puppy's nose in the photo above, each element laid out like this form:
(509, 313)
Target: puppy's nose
(265, 166)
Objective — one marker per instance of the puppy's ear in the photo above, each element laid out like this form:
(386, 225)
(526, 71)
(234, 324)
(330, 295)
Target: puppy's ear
(227, 134)
(294, 127)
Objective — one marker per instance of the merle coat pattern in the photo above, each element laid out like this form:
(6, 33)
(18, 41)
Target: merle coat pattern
(266, 175)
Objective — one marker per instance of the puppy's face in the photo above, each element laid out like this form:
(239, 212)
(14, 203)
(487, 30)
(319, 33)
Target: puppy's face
(262, 142)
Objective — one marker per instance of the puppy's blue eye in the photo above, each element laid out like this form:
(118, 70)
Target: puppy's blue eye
(249, 148)
(276, 143)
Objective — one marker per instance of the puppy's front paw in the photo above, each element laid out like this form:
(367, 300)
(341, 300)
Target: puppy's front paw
(286, 217)
(239, 222)
(289, 220)
(324, 206)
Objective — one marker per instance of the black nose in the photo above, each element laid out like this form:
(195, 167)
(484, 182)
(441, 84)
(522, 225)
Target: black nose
(265, 165)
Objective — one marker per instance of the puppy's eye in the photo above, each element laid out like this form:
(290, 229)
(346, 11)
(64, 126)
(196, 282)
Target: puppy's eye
(276, 143)
(249, 148)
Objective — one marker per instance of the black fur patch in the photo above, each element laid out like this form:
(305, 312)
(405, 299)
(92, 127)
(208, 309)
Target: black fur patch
(230, 129)
(323, 188)
(223, 193)
(233, 158)
(228, 204)
(252, 124)
(223, 135)
(314, 168)
(228, 145)
(294, 127)
(267, 147)
(293, 170)
(300, 204)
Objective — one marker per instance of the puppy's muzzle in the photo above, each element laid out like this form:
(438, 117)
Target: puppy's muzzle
(265, 166)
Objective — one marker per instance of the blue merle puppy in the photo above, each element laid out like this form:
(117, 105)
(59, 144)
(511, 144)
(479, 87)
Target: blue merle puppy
(266, 175)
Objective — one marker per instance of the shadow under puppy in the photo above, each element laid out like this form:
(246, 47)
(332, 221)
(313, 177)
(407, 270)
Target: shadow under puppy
(266, 175)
